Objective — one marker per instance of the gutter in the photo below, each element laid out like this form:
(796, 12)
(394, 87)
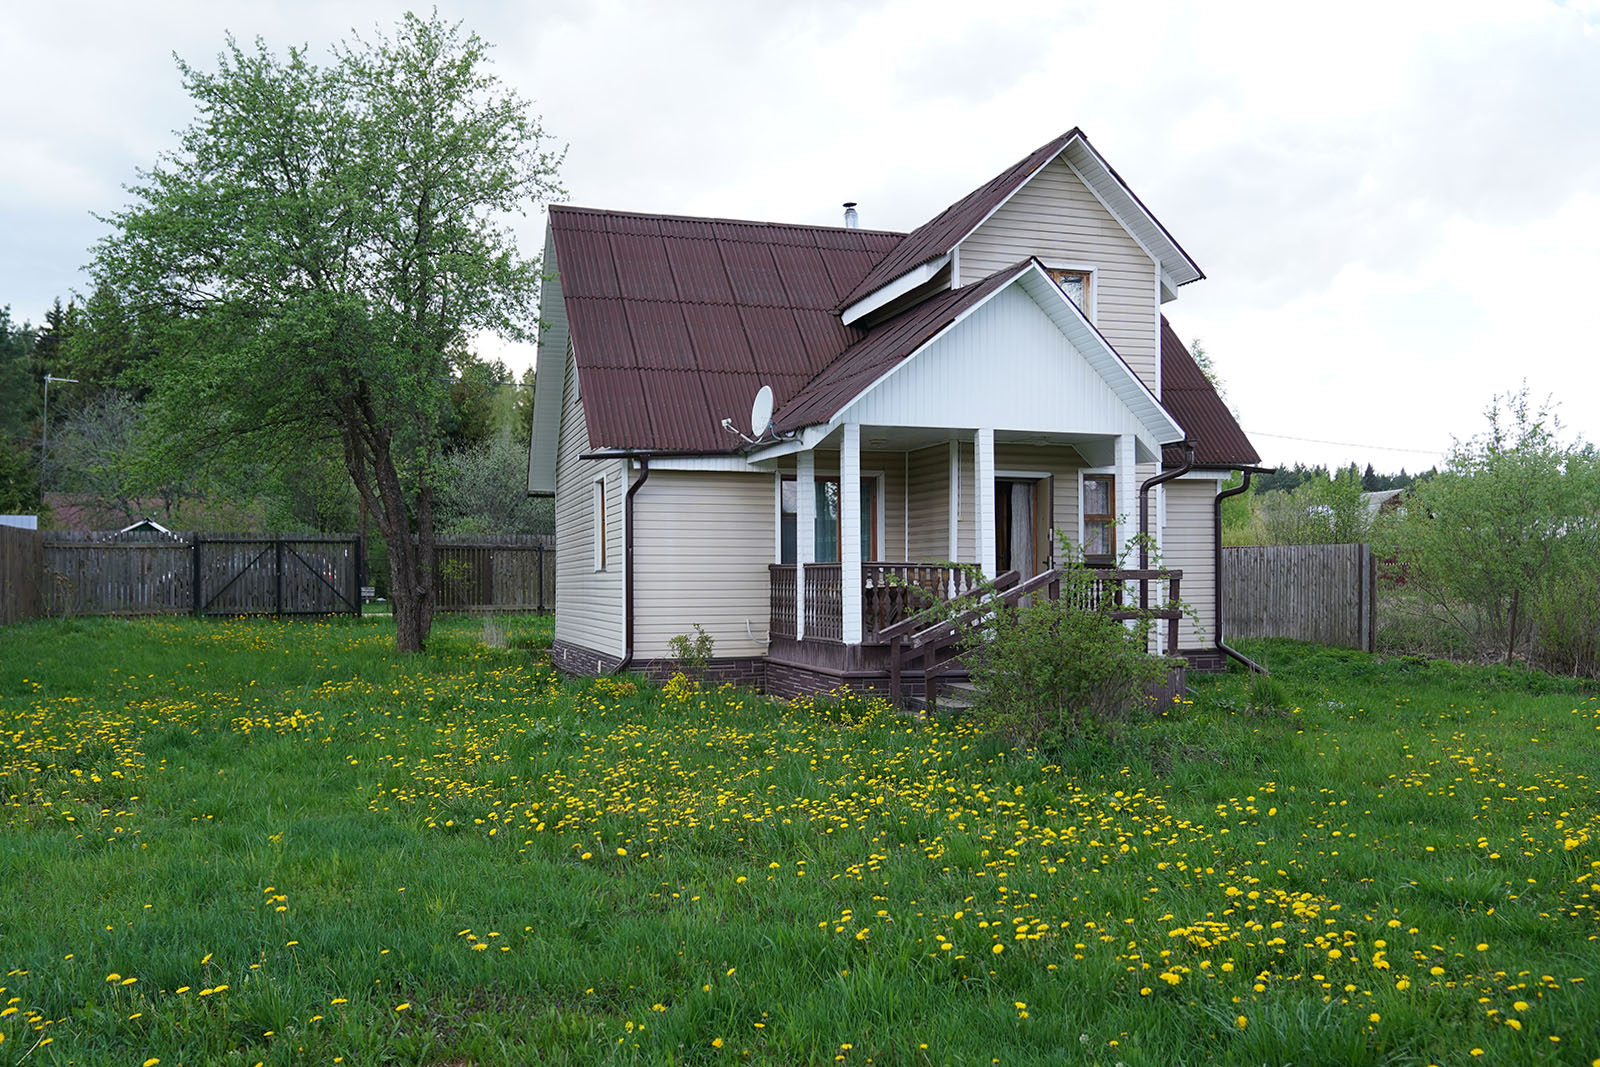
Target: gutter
(1216, 547)
(627, 563)
(1144, 514)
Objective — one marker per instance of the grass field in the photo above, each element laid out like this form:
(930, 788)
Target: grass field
(259, 842)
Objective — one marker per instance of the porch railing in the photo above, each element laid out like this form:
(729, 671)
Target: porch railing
(824, 598)
(936, 643)
(894, 591)
(890, 592)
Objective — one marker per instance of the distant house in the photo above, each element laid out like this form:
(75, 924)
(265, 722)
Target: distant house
(957, 393)
(1382, 502)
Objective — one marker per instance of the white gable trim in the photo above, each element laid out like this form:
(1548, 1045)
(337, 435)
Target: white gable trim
(894, 290)
(1126, 208)
(1156, 425)
(549, 380)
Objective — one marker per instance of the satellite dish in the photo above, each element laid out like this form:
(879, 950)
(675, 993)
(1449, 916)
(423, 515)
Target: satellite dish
(761, 411)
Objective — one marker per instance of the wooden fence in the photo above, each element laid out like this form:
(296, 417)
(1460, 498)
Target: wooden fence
(1321, 593)
(153, 573)
(503, 572)
(21, 574)
(201, 574)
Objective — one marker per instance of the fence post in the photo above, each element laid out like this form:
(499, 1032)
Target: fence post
(277, 579)
(541, 576)
(360, 570)
(194, 577)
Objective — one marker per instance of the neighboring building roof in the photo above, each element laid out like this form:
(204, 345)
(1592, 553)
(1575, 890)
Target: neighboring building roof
(950, 227)
(677, 322)
(1191, 398)
(1378, 501)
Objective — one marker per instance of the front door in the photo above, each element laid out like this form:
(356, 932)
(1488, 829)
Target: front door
(1022, 535)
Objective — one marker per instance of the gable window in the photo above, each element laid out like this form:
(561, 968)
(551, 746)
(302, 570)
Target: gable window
(829, 519)
(1099, 517)
(1075, 283)
(598, 511)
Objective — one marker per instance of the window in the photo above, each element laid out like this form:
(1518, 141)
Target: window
(828, 519)
(599, 513)
(1099, 517)
(1075, 283)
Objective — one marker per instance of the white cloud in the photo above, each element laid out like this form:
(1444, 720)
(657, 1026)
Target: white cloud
(1393, 201)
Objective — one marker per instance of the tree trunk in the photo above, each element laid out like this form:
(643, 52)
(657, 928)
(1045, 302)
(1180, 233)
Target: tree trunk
(411, 556)
(1511, 636)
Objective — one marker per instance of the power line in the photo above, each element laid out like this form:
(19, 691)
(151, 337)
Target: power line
(1348, 444)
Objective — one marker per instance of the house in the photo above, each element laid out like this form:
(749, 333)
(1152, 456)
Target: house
(956, 393)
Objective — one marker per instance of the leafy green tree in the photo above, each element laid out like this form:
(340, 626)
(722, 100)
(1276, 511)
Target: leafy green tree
(317, 255)
(19, 390)
(1501, 538)
(485, 490)
(1322, 511)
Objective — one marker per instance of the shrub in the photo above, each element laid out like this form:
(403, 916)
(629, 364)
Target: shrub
(694, 654)
(1055, 674)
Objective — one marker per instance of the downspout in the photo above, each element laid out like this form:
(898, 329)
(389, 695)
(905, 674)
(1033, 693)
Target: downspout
(627, 564)
(1144, 515)
(1216, 543)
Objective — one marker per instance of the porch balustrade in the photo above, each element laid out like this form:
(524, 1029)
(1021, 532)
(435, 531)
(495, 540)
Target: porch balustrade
(894, 592)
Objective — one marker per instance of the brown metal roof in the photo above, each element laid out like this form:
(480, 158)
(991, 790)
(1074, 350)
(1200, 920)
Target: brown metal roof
(1191, 399)
(676, 323)
(945, 230)
(881, 350)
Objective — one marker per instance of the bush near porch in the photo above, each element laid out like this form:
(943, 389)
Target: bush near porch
(259, 841)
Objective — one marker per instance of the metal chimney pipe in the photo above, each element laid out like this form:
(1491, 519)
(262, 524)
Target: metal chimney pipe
(852, 221)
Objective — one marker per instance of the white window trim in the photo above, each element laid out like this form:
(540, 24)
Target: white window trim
(1094, 282)
(597, 519)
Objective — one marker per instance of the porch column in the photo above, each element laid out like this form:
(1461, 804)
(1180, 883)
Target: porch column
(850, 531)
(805, 532)
(1127, 517)
(983, 498)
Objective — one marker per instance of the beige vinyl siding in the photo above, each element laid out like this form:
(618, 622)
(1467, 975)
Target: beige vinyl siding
(702, 542)
(1056, 218)
(930, 505)
(588, 602)
(1062, 463)
(1188, 545)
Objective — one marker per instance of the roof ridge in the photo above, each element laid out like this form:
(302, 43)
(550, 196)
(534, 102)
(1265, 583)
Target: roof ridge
(577, 208)
(919, 245)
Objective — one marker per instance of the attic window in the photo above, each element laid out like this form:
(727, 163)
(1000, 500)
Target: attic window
(1075, 283)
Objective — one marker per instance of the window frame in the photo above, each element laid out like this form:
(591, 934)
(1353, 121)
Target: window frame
(1058, 268)
(1085, 519)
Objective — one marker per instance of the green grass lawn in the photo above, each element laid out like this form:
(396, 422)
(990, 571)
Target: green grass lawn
(253, 842)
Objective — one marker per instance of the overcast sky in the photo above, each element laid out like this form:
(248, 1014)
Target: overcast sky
(1397, 205)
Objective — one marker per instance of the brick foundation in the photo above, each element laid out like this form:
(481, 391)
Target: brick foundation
(1205, 660)
(793, 680)
(574, 659)
(748, 670)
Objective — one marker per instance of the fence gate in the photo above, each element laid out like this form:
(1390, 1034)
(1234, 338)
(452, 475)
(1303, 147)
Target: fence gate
(276, 576)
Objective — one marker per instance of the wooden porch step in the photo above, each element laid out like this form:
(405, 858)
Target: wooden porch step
(954, 696)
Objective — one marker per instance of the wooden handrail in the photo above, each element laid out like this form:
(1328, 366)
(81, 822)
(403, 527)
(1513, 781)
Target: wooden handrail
(910, 623)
